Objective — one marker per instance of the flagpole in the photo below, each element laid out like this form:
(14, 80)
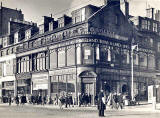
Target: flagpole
(132, 91)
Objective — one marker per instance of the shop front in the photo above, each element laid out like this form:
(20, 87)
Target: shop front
(63, 82)
(7, 90)
(40, 84)
(23, 84)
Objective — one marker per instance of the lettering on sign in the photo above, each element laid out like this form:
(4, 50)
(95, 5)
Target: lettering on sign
(108, 33)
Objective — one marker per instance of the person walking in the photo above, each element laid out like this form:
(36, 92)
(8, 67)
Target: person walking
(120, 101)
(101, 104)
(9, 100)
(17, 100)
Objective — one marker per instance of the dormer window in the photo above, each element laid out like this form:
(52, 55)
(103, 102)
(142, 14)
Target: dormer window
(61, 22)
(41, 29)
(155, 27)
(78, 15)
(50, 26)
(144, 24)
(16, 37)
(28, 34)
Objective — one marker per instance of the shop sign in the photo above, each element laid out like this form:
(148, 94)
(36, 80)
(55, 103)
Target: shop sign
(39, 86)
(88, 80)
(63, 71)
(23, 76)
(107, 33)
(41, 79)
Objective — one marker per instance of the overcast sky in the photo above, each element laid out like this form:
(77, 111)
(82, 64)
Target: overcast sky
(33, 10)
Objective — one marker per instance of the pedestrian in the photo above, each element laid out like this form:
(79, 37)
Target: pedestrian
(9, 100)
(17, 100)
(120, 101)
(66, 101)
(101, 104)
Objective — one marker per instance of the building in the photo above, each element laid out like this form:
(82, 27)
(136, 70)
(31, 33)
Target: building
(89, 51)
(5, 15)
(148, 37)
(18, 31)
(80, 54)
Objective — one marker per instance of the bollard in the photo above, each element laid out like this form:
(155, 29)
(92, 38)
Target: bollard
(154, 103)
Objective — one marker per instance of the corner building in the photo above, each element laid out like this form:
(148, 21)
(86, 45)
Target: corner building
(80, 54)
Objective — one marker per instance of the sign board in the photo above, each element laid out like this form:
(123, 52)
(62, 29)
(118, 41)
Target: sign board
(40, 86)
(150, 94)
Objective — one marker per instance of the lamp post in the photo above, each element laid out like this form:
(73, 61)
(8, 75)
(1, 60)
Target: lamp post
(133, 47)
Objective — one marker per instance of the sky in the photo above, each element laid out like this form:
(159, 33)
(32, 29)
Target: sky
(33, 10)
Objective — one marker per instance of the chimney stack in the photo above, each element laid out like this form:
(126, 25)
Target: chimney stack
(115, 3)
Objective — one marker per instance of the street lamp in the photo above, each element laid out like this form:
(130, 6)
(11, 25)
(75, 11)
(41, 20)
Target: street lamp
(133, 47)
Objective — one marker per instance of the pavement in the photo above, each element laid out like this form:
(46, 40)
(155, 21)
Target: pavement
(143, 106)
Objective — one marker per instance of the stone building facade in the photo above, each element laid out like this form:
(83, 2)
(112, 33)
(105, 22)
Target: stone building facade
(85, 53)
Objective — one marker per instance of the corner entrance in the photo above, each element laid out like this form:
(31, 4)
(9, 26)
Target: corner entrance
(88, 86)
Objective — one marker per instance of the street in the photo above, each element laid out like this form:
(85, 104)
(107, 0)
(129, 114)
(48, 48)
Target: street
(30, 111)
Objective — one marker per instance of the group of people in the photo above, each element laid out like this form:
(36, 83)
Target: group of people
(18, 100)
(84, 99)
(65, 100)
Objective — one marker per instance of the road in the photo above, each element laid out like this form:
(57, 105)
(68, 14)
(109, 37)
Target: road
(29, 111)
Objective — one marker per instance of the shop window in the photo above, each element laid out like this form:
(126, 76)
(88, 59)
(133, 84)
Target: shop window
(71, 55)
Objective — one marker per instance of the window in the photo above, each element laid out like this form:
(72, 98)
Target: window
(158, 46)
(115, 55)
(16, 37)
(83, 14)
(88, 53)
(144, 24)
(149, 25)
(41, 61)
(71, 55)
(125, 56)
(61, 57)
(105, 53)
(143, 59)
(50, 26)
(151, 61)
(78, 54)
(53, 59)
(151, 42)
(61, 22)
(78, 16)
(155, 27)
(135, 59)
(97, 53)
(41, 29)
(28, 34)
